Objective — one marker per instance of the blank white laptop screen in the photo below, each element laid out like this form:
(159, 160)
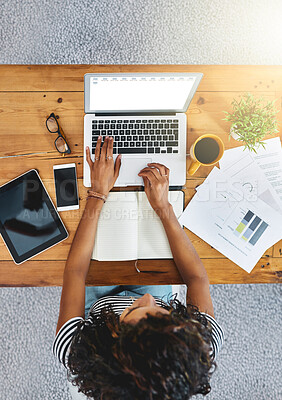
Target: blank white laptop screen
(139, 93)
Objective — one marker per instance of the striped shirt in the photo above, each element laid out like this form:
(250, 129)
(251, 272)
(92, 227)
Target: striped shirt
(62, 342)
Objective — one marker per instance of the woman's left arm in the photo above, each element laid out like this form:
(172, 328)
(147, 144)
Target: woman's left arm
(104, 173)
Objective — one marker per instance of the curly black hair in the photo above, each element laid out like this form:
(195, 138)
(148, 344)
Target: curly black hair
(161, 357)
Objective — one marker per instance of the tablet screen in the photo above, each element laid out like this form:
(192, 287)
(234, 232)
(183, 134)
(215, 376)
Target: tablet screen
(28, 219)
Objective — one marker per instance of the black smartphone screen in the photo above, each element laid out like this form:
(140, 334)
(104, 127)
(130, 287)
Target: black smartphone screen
(66, 187)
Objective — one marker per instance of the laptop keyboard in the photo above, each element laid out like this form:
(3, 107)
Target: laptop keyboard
(138, 136)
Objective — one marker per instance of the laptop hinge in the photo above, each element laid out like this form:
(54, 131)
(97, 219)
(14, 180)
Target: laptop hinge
(133, 114)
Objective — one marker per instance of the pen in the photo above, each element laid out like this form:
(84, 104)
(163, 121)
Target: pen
(152, 272)
(147, 272)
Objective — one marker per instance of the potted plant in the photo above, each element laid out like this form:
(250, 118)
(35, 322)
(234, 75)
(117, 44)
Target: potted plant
(252, 120)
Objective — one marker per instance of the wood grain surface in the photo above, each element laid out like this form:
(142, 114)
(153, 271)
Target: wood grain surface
(29, 93)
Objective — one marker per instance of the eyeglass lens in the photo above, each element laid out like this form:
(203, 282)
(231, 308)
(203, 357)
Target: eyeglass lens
(61, 144)
(52, 124)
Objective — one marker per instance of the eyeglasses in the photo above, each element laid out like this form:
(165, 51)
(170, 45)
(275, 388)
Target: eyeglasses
(61, 141)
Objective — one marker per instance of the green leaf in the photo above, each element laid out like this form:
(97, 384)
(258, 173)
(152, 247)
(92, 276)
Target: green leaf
(254, 118)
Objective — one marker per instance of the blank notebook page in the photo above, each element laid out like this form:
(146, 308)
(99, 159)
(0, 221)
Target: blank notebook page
(116, 237)
(152, 239)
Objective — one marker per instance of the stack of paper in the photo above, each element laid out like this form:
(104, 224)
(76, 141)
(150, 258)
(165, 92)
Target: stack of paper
(238, 208)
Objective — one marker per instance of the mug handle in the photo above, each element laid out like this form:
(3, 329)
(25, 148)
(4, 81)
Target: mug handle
(193, 167)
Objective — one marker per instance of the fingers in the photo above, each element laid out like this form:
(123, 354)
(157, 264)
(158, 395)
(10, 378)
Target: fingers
(150, 174)
(98, 146)
(117, 166)
(110, 147)
(162, 168)
(154, 171)
(88, 157)
(146, 183)
(104, 149)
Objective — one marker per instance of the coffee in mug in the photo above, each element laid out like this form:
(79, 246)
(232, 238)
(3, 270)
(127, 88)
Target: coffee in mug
(206, 150)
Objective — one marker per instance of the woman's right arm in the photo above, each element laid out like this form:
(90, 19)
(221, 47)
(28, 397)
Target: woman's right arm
(189, 264)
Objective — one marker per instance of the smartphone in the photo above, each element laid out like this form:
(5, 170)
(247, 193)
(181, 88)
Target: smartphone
(66, 187)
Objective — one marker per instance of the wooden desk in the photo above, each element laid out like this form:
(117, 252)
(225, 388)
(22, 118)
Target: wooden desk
(29, 93)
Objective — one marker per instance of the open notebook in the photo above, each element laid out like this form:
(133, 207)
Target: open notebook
(129, 229)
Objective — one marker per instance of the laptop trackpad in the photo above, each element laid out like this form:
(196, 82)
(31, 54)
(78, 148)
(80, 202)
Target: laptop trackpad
(130, 168)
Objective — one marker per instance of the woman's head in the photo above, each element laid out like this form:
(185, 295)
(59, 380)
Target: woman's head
(147, 353)
(140, 308)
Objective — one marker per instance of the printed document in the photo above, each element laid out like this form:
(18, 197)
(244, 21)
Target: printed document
(269, 161)
(240, 218)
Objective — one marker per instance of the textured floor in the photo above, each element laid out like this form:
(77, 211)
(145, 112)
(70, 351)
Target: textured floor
(249, 365)
(128, 32)
(140, 31)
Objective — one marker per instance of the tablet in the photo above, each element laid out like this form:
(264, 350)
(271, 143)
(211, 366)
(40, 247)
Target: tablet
(29, 222)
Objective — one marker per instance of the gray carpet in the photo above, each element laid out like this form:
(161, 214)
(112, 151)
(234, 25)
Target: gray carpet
(157, 32)
(249, 365)
(140, 31)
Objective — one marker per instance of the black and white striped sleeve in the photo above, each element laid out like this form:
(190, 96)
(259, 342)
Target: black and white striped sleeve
(63, 339)
(217, 335)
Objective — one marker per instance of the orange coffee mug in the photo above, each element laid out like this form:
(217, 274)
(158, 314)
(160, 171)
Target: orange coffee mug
(206, 150)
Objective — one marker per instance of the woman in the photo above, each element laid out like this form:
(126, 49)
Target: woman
(132, 344)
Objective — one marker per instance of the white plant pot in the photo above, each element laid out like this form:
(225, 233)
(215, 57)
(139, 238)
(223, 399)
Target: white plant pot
(234, 134)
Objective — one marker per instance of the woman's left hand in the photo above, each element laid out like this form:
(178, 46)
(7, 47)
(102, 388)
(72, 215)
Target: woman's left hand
(104, 171)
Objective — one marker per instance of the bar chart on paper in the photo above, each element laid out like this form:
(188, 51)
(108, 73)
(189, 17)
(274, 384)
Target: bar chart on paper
(250, 228)
(239, 227)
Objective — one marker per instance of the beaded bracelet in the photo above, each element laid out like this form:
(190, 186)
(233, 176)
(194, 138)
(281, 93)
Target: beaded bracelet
(97, 195)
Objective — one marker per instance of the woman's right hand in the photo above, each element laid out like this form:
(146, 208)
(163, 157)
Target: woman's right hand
(156, 185)
(104, 171)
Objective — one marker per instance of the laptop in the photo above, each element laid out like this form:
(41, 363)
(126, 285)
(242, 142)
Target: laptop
(145, 114)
